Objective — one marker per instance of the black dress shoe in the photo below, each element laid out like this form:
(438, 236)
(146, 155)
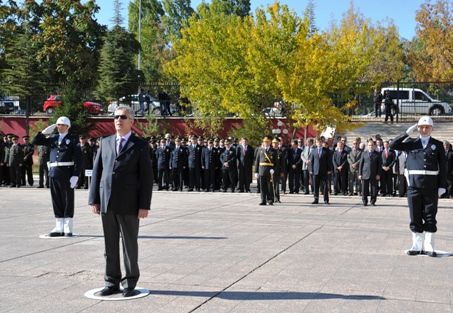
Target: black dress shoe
(262, 203)
(413, 252)
(365, 203)
(326, 202)
(373, 203)
(432, 254)
(271, 203)
(108, 291)
(56, 234)
(129, 292)
(68, 234)
(315, 202)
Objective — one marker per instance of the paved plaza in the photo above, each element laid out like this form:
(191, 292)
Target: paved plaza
(218, 252)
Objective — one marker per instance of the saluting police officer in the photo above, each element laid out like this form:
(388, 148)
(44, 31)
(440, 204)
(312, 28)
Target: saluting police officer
(426, 177)
(64, 167)
(264, 170)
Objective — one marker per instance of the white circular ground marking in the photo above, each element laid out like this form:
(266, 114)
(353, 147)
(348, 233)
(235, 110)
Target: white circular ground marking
(46, 236)
(141, 292)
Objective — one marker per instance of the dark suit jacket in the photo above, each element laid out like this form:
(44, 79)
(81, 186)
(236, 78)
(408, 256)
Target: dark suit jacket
(122, 183)
(163, 156)
(340, 159)
(370, 166)
(294, 157)
(179, 158)
(245, 159)
(229, 156)
(321, 164)
(390, 159)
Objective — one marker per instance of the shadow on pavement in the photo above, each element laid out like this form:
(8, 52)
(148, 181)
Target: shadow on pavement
(251, 295)
(163, 237)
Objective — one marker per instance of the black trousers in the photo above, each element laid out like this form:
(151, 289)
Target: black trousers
(6, 174)
(244, 178)
(113, 224)
(209, 178)
(306, 175)
(340, 182)
(319, 180)
(163, 177)
(354, 182)
(387, 182)
(62, 197)
(294, 179)
(276, 185)
(422, 209)
(387, 115)
(43, 173)
(267, 191)
(15, 173)
(27, 174)
(402, 185)
(229, 178)
(194, 178)
(177, 175)
(377, 109)
(369, 188)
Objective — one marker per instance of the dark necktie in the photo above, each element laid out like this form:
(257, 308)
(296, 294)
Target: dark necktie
(120, 146)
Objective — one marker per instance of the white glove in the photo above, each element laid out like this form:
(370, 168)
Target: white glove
(73, 181)
(49, 129)
(441, 191)
(411, 129)
(257, 175)
(271, 171)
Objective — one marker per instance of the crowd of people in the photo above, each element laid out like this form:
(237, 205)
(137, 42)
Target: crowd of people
(198, 164)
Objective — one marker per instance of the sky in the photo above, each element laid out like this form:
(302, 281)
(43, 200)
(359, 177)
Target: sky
(401, 12)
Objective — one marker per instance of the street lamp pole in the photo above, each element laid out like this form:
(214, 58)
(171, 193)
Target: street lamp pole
(139, 60)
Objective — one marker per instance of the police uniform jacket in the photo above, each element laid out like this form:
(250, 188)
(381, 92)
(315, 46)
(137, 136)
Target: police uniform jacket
(194, 159)
(370, 165)
(423, 163)
(229, 156)
(265, 161)
(16, 156)
(66, 151)
(179, 158)
(210, 158)
(163, 156)
(449, 157)
(280, 163)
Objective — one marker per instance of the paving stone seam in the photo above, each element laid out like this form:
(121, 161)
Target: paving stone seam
(256, 268)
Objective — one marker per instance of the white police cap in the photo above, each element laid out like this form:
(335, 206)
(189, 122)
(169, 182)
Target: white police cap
(64, 120)
(425, 120)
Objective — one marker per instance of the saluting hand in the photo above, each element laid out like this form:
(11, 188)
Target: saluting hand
(96, 209)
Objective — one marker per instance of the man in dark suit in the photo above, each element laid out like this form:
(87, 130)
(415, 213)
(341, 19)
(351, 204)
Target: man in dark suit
(229, 166)
(370, 169)
(449, 160)
(245, 162)
(388, 161)
(16, 162)
(43, 158)
(64, 168)
(340, 167)
(321, 166)
(194, 162)
(178, 164)
(121, 192)
(294, 167)
(210, 162)
(354, 158)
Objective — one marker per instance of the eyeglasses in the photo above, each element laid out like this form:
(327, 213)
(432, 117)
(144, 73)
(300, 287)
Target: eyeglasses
(123, 117)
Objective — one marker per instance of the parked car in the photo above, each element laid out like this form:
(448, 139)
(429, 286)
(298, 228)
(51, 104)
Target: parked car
(9, 104)
(416, 101)
(55, 101)
(132, 101)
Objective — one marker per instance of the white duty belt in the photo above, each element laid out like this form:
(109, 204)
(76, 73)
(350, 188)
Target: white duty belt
(421, 172)
(55, 164)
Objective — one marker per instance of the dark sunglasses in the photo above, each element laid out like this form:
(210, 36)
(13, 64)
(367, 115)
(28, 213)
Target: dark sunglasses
(123, 117)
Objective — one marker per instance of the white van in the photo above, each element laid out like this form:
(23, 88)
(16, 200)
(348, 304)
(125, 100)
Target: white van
(416, 101)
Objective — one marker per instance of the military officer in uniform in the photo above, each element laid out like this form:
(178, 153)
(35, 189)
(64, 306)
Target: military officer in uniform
(280, 165)
(64, 168)
(178, 164)
(229, 166)
(43, 158)
(163, 156)
(27, 168)
(15, 162)
(264, 170)
(426, 177)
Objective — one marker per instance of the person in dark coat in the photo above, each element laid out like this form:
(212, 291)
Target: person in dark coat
(321, 166)
(163, 156)
(388, 102)
(449, 160)
(121, 191)
(210, 162)
(427, 181)
(388, 161)
(64, 169)
(27, 168)
(280, 165)
(264, 171)
(87, 162)
(178, 165)
(377, 103)
(340, 168)
(43, 158)
(245, 164)
(16, 162)
(370, 169)
(354, 158)
(2, 159)
(294, 167)
(229, 166)
(194, 163)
